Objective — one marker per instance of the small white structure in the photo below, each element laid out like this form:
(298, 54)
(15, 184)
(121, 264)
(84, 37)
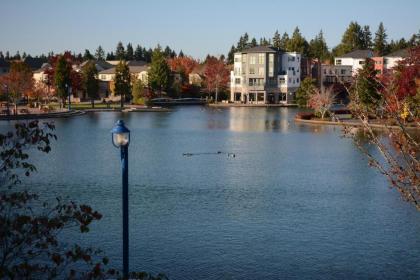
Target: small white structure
(391, 60)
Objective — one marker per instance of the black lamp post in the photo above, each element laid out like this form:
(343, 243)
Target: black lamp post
(121, 139)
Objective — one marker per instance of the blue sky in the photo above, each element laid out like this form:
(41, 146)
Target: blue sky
(197, 27)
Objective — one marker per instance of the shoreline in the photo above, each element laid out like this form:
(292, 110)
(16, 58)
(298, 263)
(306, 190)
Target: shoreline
(250, 105)
(351, 123)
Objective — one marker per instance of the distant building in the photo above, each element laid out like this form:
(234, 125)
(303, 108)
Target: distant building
(264, 74)
(196, 77)
(332, 74)
(355, 59)
(40, 75)
(138, 70)
(391, 60)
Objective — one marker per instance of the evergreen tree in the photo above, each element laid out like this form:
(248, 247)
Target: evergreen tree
(414, 40)
(254, 42)
(100, 53)
(173, 54)
(90, 83)
(352, 39)
(276, 40)
(138, 53)
(284, 41)
(306, 89)
(122, 81)
(298, 43)
(366, 90)
(110, 56)
(318, 47)
(181, 54)
(138, 92)
(120, 52)
(167, 52)
(380, 44)
(62, 79)
(148, 55)
(24, 55)
(366, 38)
(231, 55)
(129, 54)
(7, 55)
(1, 55)
(87, 55)
(17, 56)
(159, 74)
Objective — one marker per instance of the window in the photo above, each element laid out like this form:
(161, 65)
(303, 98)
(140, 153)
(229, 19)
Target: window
(290, 80)
(291, 58)
(297, 80)
(282, 81)
(338, 62)
(272, 81)
(103, 77)
(251, 70)
(261, 58)
(271, 58)
(343, 71)
(271, 71)
(361, 62)
(261, 71)
(252, 60)
(238, 81)
(237, 59)
(244, 58)
(256, 82)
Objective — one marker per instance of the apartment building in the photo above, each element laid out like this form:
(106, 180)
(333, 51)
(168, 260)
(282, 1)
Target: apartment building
(264, 75)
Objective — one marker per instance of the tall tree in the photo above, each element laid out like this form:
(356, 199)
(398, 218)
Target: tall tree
(181, 54)
(277, 40)
(100, 53)
(90, 82)
(380, 44)
(254, 42)
(216, 75)
(231, 54)
(298, 43)
(366, 90)
(122, 81)
(138, 53)
(366, 38)
(129, 54)
(318, 47)
(304, 92)
(159, 74)
(110, 56)
(87, 55)
(352, 39)
(62, 78)
(284, 41)
(120, 52)
(167, 52)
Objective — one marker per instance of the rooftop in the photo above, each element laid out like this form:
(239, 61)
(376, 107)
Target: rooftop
(133, 69)
(261, 49)
(358, 54)
(399, 53)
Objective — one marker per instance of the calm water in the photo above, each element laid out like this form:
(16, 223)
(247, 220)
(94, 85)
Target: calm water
(296, 201)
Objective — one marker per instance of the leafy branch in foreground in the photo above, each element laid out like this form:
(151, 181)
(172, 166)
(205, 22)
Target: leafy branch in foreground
(398, 146)
(30, 244)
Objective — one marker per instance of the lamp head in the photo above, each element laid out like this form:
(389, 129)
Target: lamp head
(120, 135)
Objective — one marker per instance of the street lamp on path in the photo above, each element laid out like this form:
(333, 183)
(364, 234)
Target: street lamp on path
(121, 139)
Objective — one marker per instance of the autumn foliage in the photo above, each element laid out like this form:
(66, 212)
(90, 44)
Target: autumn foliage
(216, 75)
(184, 65)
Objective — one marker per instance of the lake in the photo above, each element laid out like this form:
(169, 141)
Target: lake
(296, 201)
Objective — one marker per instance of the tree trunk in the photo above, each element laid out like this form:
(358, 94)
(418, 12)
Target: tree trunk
(217, 89)
(122, 101)
(93, 103)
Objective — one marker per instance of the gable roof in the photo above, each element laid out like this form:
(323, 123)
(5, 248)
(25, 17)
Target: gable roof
(99, 64)
(357, 54)
(260, 49)
(34, 62)
(133, 69)
(399, 53)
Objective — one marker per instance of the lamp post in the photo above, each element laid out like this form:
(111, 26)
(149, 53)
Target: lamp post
(69, 91)
(121, 139)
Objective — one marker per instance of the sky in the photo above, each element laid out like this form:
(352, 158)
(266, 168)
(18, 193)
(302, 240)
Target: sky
(197, 27)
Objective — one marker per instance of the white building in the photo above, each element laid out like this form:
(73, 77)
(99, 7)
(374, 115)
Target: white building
(391, 60)
(355, 59)
(263, 75)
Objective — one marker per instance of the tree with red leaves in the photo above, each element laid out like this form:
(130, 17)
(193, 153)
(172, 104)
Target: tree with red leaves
(19, 82)
(183, 65)
(216, 75)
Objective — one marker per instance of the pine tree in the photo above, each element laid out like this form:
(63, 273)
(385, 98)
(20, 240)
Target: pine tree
(87, 55)
(129, 54)
(318, 47)
(159, 74)
(231, 55)
(254, 42)
(100, 53)
(122, 81)
(298, 43)
(366, 38)
(167, 52)
(352, 39)
(110, 56)
(284, 41)
(138, 53)
(181, 54)
(380, 44)
(120, 52)
(367, 89)
(276, 40)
